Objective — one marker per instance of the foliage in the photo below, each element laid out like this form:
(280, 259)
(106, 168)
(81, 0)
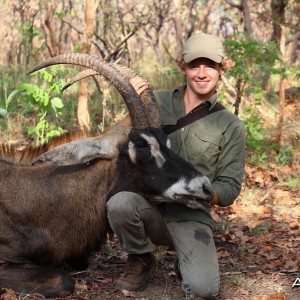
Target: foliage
(44, 101)
(253, 61)
(260, 147)
(6, 95)
(252, 58)
(285, 155)
(256, 134)
(291, 182)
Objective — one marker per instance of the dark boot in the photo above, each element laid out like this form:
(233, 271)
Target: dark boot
(136, 272)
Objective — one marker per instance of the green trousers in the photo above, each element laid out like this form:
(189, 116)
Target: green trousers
(140, 227)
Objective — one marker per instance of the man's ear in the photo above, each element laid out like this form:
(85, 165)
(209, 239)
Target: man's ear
(182, 69)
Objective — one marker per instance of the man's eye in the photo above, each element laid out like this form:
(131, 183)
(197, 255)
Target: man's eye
(212, 66)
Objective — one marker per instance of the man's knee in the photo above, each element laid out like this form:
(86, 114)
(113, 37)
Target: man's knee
(206, 287)
(120, 201)
(121, 206)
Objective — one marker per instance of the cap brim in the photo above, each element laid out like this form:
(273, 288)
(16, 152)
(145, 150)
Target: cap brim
(188, 57)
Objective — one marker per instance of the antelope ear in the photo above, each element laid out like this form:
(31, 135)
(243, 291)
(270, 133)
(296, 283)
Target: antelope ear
(83, 150)
(78, 152)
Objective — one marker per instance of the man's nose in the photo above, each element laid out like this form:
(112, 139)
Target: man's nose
(202, 72)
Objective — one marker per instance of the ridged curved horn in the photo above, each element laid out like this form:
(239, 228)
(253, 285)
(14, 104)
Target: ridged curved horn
(133, 101)
(81, 75)
(147, 96)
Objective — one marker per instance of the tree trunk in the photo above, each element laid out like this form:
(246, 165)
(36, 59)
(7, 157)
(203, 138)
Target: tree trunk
(244, 8)
(277, 8)
(204, 14)
(82, 109)
(247, 18)
(295, 47)
(184, 22)
(281, 97)
(53, 48)
(240, 85)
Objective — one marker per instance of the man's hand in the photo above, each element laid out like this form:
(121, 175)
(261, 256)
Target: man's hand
(139, 84)
(215, 199)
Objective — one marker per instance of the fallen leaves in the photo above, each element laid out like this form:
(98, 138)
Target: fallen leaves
(274, 296)
(222, 252)
(259, 235)
(259, 176)
(8, 294)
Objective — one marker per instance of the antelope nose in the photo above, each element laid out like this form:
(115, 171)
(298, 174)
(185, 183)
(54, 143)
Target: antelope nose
(207, 188)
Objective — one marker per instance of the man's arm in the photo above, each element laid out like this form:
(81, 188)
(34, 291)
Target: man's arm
(231, 160)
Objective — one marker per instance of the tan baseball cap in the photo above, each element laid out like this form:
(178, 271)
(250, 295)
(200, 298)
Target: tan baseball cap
(203, 45)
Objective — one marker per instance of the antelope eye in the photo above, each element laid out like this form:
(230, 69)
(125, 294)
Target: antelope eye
(141, 144)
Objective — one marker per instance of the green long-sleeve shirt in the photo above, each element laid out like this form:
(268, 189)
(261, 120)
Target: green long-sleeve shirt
(214, 145)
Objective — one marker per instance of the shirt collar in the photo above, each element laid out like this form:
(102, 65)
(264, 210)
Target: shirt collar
(212, 101)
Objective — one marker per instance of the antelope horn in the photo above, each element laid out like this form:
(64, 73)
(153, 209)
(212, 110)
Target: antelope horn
(81, 75)
(147, 96)
(133, 101)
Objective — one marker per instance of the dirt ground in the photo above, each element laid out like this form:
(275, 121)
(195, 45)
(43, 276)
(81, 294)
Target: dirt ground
(258, 247)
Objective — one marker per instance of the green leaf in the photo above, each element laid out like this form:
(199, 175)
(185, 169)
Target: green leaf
(24, 87)
(11, 96)
(3, 112)
(254, 144)
(45, 98)
(56, 102)
(31, 130)
(54, 132)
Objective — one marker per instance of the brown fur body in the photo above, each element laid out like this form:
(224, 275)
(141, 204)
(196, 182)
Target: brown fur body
(75, 193)
(49, 215)
(40, 195)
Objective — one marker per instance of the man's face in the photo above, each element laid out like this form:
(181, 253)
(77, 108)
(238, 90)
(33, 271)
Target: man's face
(202, 76)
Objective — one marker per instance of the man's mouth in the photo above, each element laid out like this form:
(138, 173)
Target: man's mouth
(202, 82)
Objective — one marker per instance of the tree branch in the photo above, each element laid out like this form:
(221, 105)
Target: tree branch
(238, 6)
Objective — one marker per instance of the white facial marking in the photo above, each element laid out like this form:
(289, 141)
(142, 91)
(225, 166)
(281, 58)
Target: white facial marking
(184, 187)
(132, 152)
(168, 143)
(154, 148)
(178, 187)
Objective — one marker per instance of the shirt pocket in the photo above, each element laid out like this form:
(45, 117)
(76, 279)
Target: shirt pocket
(203, 146)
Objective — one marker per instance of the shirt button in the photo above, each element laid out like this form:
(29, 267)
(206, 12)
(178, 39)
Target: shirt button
(182, 129)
